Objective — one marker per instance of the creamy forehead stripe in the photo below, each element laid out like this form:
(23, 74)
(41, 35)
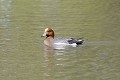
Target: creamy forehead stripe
(46, 29)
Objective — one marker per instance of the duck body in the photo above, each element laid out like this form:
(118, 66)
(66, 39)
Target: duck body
(68, 41)
(59, 42)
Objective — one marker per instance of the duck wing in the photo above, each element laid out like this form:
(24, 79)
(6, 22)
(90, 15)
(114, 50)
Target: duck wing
(77, 41)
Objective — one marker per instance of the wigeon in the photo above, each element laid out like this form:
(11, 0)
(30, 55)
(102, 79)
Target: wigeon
(50, 41)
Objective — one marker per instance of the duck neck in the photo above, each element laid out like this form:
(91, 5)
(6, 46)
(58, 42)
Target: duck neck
(50, 37)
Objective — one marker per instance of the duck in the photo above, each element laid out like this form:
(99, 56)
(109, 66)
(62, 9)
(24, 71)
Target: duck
(51, 41)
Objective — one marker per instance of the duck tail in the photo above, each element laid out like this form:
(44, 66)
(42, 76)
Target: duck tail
(79, 41)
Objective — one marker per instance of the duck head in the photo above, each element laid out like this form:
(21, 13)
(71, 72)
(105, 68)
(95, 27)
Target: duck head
(48, 33)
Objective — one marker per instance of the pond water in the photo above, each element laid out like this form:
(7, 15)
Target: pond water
(23, 55)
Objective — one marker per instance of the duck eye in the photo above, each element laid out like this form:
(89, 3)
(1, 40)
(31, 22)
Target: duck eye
(48, 31)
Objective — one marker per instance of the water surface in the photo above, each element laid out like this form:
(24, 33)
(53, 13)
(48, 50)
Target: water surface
(24, 57)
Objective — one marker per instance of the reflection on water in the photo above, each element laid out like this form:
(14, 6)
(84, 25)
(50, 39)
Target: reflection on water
(76, 63)
(5, 6)
(49, 64)
(53, 61)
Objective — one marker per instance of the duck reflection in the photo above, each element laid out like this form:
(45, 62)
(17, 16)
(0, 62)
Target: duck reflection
(52, 58)
(49, 64)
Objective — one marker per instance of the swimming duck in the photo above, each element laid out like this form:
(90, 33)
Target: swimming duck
(50, 41)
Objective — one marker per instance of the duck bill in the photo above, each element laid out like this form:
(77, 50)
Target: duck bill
(44, 35)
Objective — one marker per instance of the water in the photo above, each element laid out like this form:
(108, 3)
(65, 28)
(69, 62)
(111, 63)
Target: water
(24, 57)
